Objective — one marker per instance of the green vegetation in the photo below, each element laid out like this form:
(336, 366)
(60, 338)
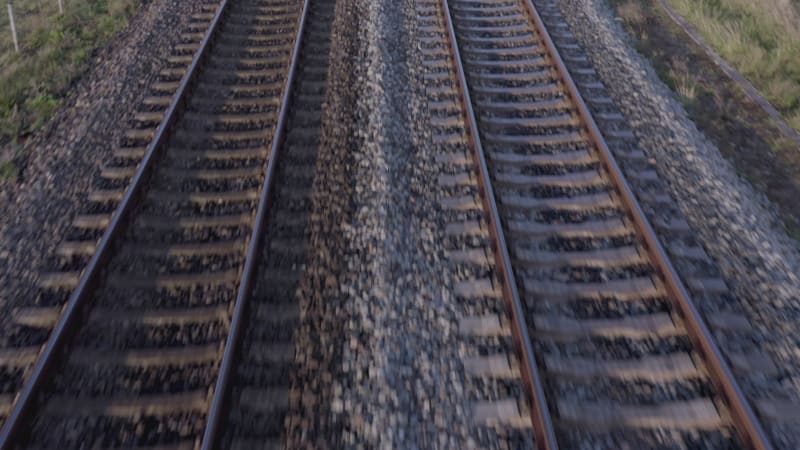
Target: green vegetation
(8, 171)
(761, 39)
(742, 131)
(54, 50)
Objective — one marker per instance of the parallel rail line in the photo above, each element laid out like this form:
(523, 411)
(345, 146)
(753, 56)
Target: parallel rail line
(549, 159)
(569, 256)
(179, 235)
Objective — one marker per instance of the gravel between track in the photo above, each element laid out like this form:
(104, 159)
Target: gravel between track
(406, 323)
(737, 226)
(63, 158)
(379, 322)
(389, 339)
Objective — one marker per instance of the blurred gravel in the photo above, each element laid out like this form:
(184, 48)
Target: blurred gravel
(736, 224)
(63, 158)
(406, 325)
(388, 339)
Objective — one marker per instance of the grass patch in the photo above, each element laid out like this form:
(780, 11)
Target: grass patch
(8, 171)
(679, 78)
(54, 50)
(760, 39)
(743, 132)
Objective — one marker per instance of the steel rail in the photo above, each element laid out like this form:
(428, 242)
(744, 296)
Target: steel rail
(74, 310)
(745, 421)
(219, 401)
(531, 380)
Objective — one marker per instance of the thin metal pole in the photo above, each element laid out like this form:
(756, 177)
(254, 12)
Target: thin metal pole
(13, 26)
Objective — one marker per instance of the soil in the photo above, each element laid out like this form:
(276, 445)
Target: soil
(738, 126)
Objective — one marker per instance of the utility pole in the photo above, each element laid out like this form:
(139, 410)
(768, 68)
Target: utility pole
(13, 26)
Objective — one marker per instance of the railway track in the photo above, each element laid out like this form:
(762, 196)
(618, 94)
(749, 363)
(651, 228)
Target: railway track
(609, 347)
(260, 387)
(145, 350)
(170, 308)
(30, 324)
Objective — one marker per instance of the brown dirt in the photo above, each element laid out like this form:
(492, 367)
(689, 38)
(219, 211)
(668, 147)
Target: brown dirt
(739, 127)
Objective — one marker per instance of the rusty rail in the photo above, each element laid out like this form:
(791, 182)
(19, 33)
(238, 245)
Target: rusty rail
(219, 402)
(540, 415)
(742, 414)
(75, 309)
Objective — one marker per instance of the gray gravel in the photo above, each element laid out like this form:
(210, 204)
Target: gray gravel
(320, 338)
(736, 225)
(378, 353)
(403, 350)
(63, 158)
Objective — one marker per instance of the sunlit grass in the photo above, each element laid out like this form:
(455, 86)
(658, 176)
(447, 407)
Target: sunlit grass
(760, 39)
(55, 49)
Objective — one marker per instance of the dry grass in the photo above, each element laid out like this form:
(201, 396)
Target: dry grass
(742, 131)
(794, 120)
(631, 12)
(761, 39)
(55, 49)
(682, 79)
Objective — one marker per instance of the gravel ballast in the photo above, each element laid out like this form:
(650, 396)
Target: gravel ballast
(62, 160)
(382, 327)
(379, 356)
(735, 224)
(378, 360)
(403, 351)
